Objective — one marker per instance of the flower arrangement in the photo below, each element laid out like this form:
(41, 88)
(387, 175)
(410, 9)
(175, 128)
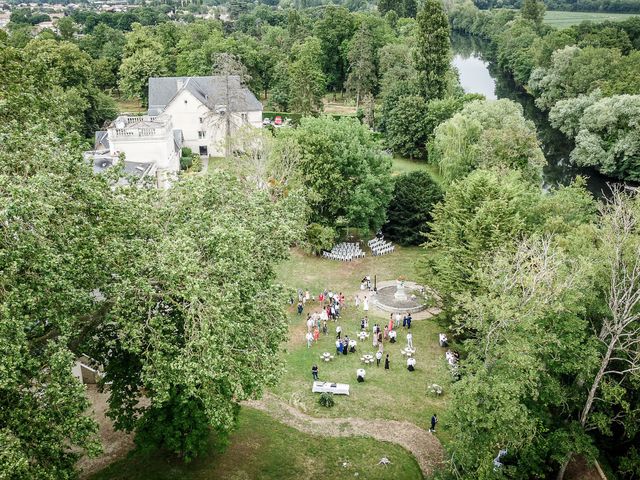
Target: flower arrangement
(435, 389)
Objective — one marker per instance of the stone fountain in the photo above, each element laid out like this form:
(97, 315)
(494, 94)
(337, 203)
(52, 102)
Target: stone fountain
(400, 296)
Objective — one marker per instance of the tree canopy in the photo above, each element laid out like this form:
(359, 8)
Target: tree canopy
(415, 195)
(344, 171)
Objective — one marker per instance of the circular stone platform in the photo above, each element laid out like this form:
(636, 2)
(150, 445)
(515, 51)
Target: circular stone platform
(387, 300)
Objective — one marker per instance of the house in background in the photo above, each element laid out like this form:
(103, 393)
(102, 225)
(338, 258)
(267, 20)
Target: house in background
(198, 107)
(192, 112)
(150, 146)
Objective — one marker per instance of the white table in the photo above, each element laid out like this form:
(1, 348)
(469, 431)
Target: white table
(335, 388)
(367, 359)
(326, 356)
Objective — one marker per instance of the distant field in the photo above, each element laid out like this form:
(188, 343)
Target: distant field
(566, 19)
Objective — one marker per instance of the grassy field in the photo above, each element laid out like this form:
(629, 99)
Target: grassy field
(261, 446)
(261, 449)
(566, 19)
(404, 165)
(396, 394)
(129, 106)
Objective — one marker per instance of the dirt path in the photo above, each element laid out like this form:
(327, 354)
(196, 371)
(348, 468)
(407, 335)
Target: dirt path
(424, 446)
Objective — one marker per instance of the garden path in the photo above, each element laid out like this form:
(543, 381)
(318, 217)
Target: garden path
(423, 445)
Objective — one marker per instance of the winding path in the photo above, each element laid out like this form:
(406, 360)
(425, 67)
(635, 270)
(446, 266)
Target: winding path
(424, 446)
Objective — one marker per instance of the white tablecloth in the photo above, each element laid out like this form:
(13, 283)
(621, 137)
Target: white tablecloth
(335, 388)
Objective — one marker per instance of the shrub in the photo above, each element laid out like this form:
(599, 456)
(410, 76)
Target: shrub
(326, 400)
(186, 162)
(414, 196)
(319, 238)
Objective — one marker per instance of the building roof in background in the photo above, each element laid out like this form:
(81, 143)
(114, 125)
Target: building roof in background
(101, 140)
(178, 139)
(209, 90)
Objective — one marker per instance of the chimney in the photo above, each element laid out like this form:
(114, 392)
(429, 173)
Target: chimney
(180, 83)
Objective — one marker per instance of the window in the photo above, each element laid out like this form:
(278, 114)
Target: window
(245, 117)
(203, 150)
(201, 120)
(202, 134)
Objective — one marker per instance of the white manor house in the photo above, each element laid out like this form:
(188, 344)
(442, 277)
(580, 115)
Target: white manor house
(183, 112)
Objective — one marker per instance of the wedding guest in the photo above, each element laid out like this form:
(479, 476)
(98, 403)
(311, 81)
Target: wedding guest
(386, 362)
(411, 364)
(314, 372)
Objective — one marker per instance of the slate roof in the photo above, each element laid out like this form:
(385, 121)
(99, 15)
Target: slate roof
(209, 90)
(178, 138)
(101, 140)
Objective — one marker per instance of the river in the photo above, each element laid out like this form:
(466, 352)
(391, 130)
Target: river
(478, 74)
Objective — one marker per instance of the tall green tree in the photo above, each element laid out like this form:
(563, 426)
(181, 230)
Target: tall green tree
(54, 246)
(344, 171)
(334, 30)
(306, 81)
(530, 299)
(480, 213)
(135, 72)
(433, 52)
(362, 77)
(415, 194)
(533, 10)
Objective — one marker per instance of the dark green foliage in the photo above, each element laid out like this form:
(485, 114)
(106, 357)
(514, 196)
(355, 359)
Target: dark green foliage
(410, 121)
(345, 172)
(24, 16)
(334, 30)
(414, 196)
(326, 400)
(319, 238)
(405, 127)
(403, 8)
(533, 10)
(179, 426)
(618, 6)
(433, 53)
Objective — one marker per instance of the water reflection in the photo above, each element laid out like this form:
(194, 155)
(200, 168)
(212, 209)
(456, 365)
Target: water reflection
(474, 75)
(479, 73)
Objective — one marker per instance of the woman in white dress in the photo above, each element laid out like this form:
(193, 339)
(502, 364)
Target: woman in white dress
(365, 304)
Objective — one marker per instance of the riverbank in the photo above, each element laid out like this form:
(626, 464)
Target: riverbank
(479, 73)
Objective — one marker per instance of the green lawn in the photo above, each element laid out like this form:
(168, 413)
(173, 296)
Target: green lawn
(402, 165)
(261, 449)
(566, 19)
(396, 394)
(129, 106)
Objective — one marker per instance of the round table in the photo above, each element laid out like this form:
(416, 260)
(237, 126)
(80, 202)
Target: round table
(367, 359)
(326, 356)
